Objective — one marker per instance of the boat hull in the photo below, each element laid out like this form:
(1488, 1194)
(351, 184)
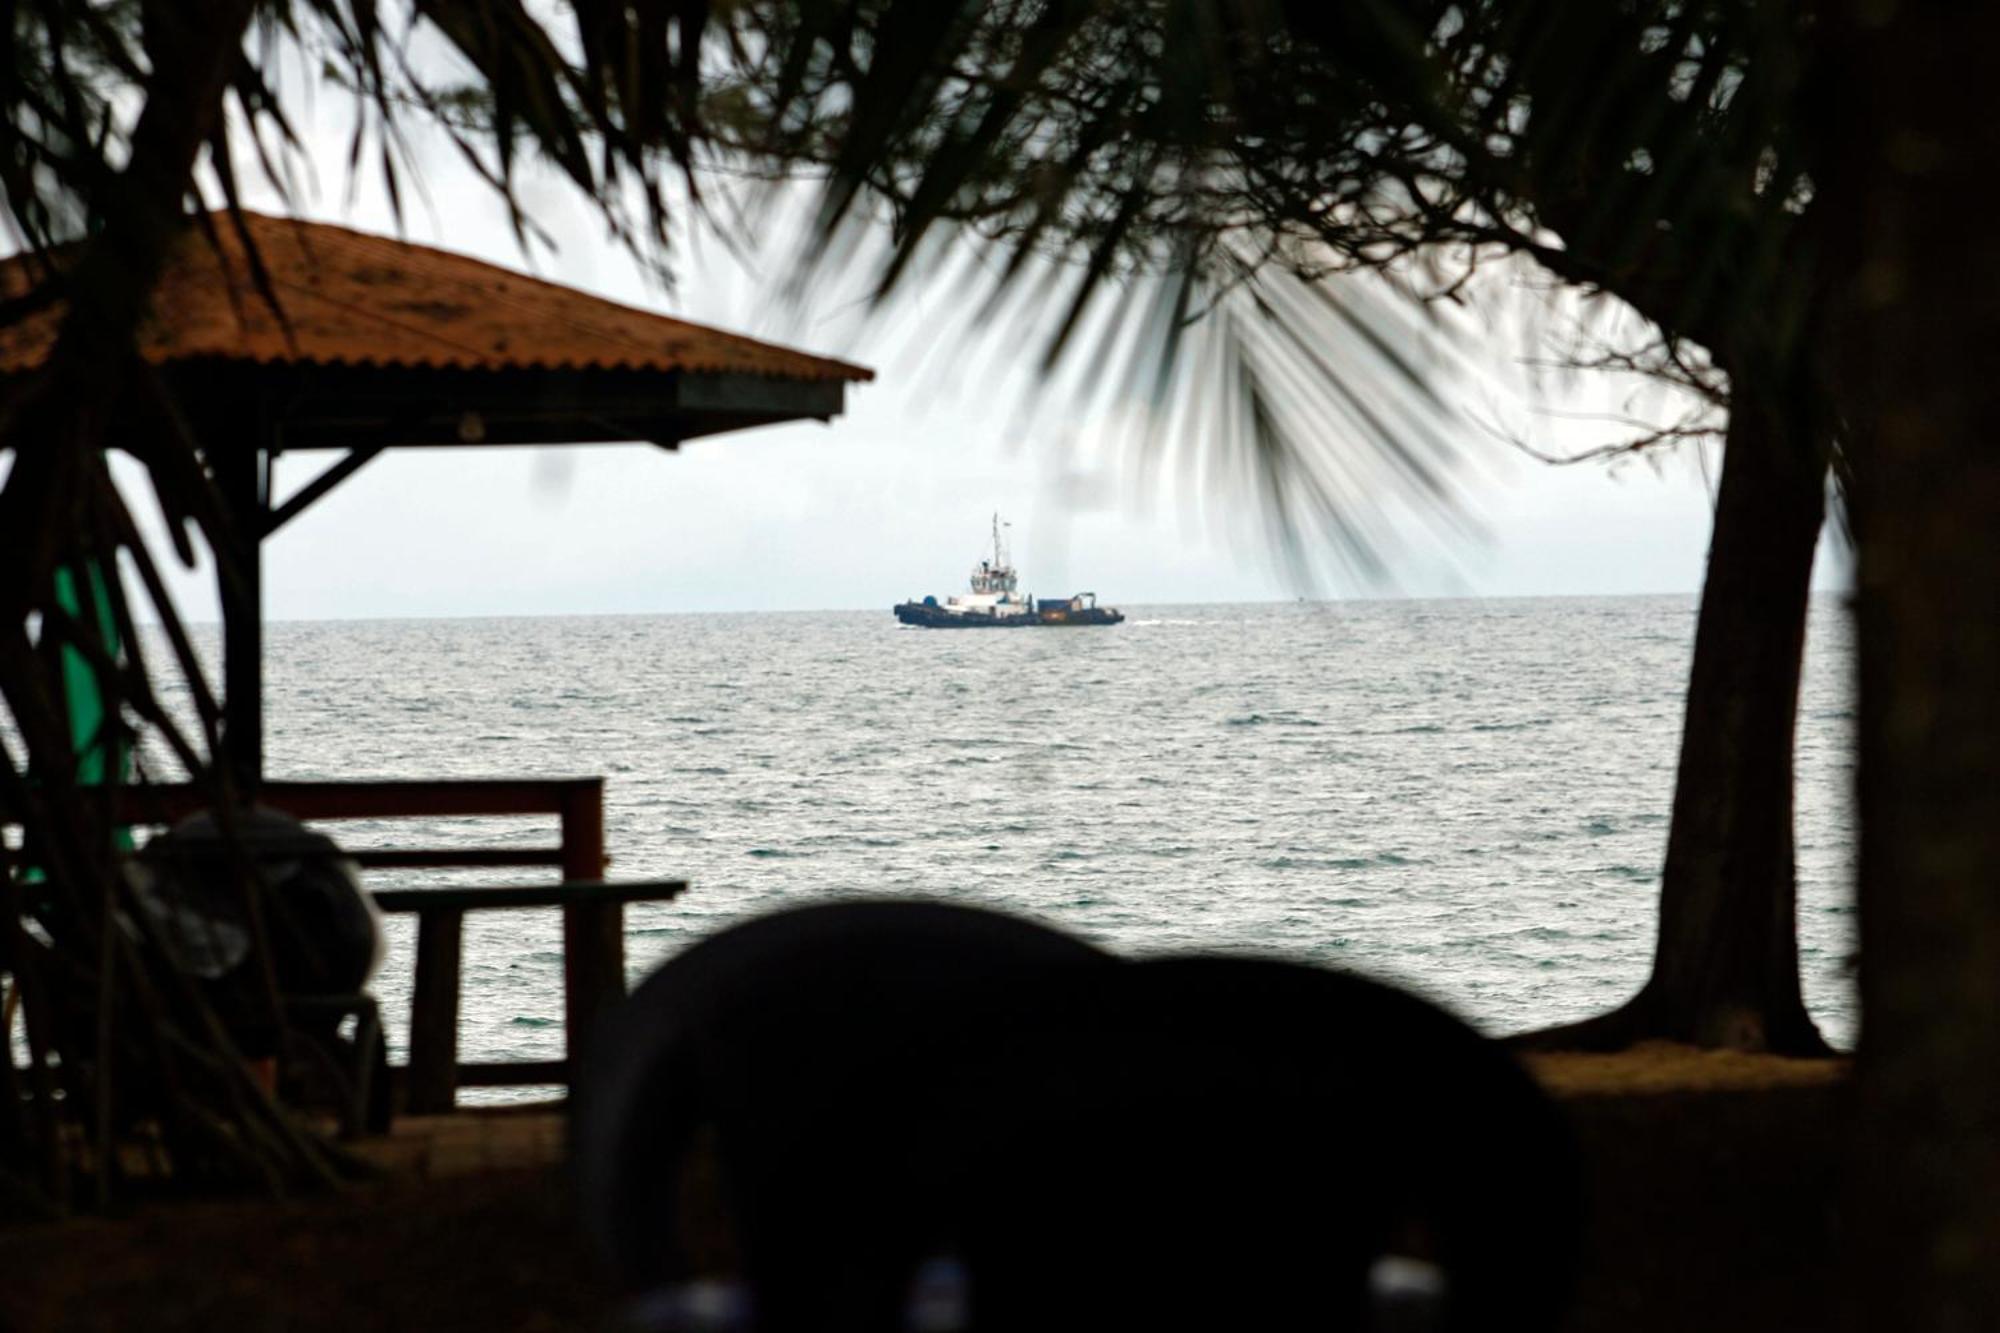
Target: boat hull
(927, 616)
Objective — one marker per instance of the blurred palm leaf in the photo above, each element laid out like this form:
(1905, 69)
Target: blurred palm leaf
(1245, 147)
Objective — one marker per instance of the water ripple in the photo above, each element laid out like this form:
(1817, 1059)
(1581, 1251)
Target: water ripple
(1466, 797)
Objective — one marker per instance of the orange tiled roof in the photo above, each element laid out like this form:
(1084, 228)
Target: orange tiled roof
(356, 299)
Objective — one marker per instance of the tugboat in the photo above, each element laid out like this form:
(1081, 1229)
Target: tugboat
(994, 602)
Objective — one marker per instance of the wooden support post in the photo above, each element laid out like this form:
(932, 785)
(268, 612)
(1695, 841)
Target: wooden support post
(238, 467)
(434, 1012)
(593, 933)
(582, 815)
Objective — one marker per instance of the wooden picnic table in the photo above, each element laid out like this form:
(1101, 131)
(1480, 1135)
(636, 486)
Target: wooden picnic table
(593, 977)
(593, 908)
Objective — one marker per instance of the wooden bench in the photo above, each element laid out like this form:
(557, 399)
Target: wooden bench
(593, 909)
(593, 977)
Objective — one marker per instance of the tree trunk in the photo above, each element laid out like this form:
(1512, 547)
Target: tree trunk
(1921, 363)
(52, 512)
(1725, 968)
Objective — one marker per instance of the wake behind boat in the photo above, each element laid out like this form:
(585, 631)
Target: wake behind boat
(995, 602)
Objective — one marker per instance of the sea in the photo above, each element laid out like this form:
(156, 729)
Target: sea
(1465, 798)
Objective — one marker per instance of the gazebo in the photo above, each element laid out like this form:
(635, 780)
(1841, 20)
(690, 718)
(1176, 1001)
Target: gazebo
(381, 344)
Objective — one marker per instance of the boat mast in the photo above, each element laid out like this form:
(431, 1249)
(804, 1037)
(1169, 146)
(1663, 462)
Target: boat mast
(995, 575)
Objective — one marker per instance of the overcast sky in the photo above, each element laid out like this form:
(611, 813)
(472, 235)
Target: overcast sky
(892, 499)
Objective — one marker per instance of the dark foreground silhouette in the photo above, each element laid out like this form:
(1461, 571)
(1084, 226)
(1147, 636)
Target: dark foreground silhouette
(911, 1116)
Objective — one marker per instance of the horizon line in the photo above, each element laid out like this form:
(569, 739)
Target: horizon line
(1819, 594)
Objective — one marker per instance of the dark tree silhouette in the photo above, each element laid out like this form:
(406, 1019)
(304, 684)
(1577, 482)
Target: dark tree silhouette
(1919, 370)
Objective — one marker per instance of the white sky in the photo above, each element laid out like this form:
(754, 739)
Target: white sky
(892, 499)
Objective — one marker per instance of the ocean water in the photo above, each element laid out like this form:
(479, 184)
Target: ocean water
(1467, 798)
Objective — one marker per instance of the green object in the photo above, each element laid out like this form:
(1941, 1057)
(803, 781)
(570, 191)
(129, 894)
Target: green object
(103, 757)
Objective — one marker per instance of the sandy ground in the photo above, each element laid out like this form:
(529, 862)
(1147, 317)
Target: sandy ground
(1712, 1183)
(1665, 1067)
(1713, 1187)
